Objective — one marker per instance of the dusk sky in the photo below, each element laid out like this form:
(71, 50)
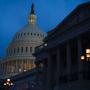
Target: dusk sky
(14, 16)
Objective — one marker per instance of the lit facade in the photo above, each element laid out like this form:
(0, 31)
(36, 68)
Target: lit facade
(59, 59)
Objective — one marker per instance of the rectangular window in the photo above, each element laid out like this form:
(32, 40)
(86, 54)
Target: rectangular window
(26, 49)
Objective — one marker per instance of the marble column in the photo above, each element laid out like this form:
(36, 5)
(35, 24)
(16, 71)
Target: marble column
(58, 69)
(29, 64)
(49, 71)
(12, 67)
(9, 66)
(17, 66)
(79, 45)
(4, 68)
(68, 55)
(22, 65)
(26, 64)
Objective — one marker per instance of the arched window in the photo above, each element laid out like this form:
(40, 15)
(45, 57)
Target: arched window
(21, 49)
(26, 49)
(30, 49)
(31, 33)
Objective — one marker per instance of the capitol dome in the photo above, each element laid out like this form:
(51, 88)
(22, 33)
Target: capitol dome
(20, 51)
(25, 41)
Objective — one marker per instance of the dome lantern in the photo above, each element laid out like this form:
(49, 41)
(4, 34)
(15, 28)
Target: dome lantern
(32, 17)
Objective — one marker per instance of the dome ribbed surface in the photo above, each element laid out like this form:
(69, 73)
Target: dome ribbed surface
(28, 37)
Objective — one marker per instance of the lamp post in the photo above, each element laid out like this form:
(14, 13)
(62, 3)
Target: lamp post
(7, 84)
(86, 56)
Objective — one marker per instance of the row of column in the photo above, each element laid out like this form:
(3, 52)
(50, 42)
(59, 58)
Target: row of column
(14, 66)
(68, 62)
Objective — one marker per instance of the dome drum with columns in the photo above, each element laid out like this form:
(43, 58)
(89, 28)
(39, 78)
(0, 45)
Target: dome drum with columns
(20, 51)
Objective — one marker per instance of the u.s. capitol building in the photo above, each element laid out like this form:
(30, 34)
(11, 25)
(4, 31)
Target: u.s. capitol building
(20, 51)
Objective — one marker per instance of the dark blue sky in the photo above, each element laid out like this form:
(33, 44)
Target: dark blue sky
(14, 15)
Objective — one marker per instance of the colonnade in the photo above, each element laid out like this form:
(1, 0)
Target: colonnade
(12, 67)
(69, 68)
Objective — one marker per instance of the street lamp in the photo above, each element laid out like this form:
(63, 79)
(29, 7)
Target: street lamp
(86, 57)
(8, 83)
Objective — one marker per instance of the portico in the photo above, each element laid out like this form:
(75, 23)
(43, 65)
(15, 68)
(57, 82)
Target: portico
(65, 45)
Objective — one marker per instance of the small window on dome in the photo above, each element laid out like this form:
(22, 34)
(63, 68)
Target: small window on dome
(31, 33)
(21, 49)
(30, 49)
(26, 49)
